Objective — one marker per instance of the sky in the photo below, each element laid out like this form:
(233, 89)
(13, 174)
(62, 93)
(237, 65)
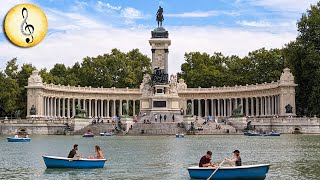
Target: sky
(79, 28)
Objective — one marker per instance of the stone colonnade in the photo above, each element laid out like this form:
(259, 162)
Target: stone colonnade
(250, 106)
(104, 108)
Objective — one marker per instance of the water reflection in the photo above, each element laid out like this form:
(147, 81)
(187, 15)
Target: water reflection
(160, 157)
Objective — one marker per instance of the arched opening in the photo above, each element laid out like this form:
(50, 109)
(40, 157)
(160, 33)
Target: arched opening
(296, 130)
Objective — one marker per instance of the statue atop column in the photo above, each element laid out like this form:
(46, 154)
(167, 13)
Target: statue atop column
(159, 16)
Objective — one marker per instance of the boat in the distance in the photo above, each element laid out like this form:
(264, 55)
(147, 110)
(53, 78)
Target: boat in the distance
(256, 172)
(88, 134)
(179, 135)
(257, 134)
(13, 139)
(63, 162)
(106, 134)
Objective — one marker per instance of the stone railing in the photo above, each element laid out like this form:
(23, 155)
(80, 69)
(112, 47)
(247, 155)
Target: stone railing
(252, 87)
(53, 87)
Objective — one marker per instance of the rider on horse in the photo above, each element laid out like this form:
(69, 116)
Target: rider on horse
(160, 16)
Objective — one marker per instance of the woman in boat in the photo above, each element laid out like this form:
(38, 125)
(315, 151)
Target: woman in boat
(236, 160)
(99, 153)
(16, 136)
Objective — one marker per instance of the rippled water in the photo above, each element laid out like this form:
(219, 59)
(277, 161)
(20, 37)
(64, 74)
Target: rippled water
(161, 157)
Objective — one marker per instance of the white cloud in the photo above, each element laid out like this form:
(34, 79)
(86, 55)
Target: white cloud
(196, 14)
(106, 6)
(73, 45)
(254, 23)
(284, 5)
(132, 13)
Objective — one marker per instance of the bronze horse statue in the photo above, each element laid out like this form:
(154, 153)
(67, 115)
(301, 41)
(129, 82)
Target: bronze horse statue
(160, 16)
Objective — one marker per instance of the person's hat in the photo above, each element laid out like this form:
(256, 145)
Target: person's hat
(236, 151)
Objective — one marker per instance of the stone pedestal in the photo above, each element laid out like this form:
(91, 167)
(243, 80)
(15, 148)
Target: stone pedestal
(188, 119)
(80, 123)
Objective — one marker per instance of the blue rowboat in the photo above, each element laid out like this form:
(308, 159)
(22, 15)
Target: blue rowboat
(272, 134)
(179, 135)
(253, 134)
(18, 139)
(106, 134)
(88, 135)
(256, 172)
(62, 162)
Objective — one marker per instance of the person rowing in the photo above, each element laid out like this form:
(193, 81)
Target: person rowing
(236, 160)
(206, 160)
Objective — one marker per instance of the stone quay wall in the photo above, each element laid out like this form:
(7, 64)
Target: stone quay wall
(285, 125)
(40, 127)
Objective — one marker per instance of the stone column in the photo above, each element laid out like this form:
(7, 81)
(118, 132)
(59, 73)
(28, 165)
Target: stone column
(45, 106)
(199, 107)
(230, 107)
(235, 103)
(63, 107)
(257, 106)
(205, 107)
(84, 104)
(247, 106)
(252, 107)
(261, 106)
(90, 108)
(73, 107)
(241, 102)
(133, 107)
(192, 109)
(224, 107)
(213, 112)
(120, 107)
(59, 107)
(96, 108)
(51, 105)
(219, 112)
(102, 113)
(108, 113)
(114, 108)
(68, 110)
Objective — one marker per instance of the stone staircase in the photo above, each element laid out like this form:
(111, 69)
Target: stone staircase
(155, 129)
(96, 128)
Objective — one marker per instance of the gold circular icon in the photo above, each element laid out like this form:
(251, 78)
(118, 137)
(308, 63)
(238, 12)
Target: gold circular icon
(26, 25)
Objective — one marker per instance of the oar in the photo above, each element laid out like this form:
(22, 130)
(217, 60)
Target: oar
(216, 169)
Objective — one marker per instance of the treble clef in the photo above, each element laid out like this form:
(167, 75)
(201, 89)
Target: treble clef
(26, 29)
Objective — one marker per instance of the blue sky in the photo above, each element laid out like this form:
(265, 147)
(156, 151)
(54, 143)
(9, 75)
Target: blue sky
(80, 28)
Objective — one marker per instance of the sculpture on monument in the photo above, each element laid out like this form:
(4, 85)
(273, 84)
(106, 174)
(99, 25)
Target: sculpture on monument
(173, 84)
(145, 86)
(124, 109)
(33, 110)
(237, 112)
(189, 109)
(80, 113)
(159, 76)
(288, 108)
(159, 16)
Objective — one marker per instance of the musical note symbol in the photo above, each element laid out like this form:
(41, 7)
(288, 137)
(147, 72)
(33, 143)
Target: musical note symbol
(26, 29)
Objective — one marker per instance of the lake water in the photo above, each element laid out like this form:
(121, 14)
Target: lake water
(161, 157)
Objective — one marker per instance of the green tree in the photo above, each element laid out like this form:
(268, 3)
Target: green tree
(304, 59)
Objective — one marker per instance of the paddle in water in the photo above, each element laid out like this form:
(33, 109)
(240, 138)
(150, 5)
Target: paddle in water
(216, 170)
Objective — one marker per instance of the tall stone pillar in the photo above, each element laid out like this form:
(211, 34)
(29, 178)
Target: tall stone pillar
(199, 107)
(213, 111)
(218, 104)
(68, 110)
(59, 107)
(247, 106)
(114, 108)
(108, 113)
(51, 105)
(230, 107)
(90, 108)
(102, 113)
(120, 108)
(257, 106)
(84, 104)
(133, 107)
(252, 107)
(261, 104)
(63, 107)
(241, 102)
(224, 107)
(45, 106)
(192, 109)
(73, 107)
(205, 107)
(96, 108)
